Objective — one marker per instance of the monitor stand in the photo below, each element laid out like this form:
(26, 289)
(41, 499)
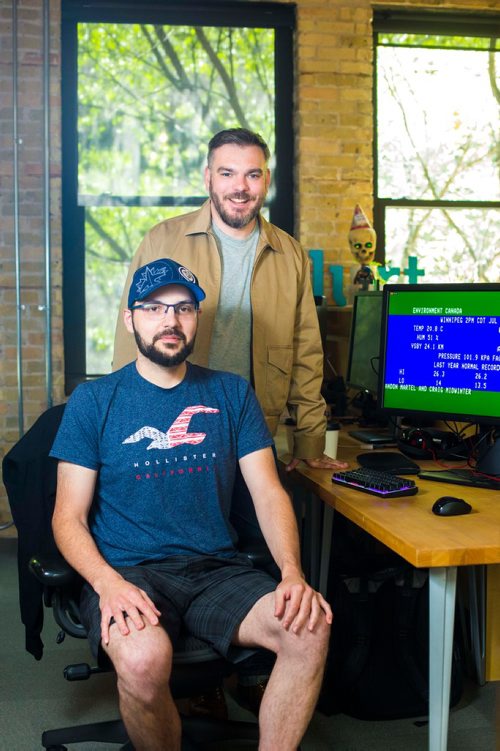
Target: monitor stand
(489, 460)
(370, 414)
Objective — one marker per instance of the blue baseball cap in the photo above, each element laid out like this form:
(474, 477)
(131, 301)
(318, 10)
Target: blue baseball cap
(159, 274)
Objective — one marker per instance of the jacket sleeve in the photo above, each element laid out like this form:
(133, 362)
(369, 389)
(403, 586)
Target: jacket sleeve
(305, 400)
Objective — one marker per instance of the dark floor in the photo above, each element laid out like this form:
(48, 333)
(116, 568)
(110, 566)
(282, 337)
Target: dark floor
(34, 696)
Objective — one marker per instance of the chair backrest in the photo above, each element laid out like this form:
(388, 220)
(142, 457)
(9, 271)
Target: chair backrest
(30, 477)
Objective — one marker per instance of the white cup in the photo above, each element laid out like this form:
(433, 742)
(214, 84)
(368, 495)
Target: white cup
(332, 439)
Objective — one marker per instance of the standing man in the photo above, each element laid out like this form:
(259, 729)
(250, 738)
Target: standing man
(147, 462)
(259, 319)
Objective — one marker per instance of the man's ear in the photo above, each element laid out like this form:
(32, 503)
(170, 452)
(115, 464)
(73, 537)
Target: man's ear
(268, 179)
(127, 320)
(207, 178)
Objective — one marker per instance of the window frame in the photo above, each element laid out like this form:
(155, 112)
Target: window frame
(221, 13)
(445, 23)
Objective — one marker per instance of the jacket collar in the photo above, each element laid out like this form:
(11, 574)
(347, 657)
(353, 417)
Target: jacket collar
(202, 224)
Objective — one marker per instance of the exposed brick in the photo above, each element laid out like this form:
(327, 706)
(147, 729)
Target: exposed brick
(36, 58)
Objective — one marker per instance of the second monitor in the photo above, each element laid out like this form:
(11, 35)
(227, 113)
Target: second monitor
(364, 342)
(363, 364)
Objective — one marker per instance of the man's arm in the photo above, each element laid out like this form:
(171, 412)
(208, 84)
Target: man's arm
(297, 604)
(75, 492)
(306, 380)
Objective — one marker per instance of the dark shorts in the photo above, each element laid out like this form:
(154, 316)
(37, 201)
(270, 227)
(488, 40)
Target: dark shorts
(209, 596)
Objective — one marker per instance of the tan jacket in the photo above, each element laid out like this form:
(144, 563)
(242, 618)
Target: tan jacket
(287, 357)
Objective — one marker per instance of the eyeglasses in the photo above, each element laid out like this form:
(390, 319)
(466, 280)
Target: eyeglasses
(156, 310)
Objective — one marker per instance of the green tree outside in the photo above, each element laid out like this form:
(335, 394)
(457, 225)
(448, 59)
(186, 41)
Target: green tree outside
(149, 99)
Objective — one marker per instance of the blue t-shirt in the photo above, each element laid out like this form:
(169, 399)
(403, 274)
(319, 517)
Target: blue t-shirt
(166, 460)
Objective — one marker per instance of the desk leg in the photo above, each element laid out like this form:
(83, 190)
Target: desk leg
(308, 509)
(313, 533)
(477, 611)
(326, 549)
(442, 593)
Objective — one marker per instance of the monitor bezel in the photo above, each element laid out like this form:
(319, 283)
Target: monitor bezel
(465, 417)
(354, 384)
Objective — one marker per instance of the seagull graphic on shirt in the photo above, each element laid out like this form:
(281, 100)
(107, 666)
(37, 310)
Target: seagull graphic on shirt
(177, 433)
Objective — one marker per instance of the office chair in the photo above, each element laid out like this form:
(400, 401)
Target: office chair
(197, 668)
(29, 475)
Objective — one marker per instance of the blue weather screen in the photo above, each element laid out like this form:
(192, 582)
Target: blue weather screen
(443, 353)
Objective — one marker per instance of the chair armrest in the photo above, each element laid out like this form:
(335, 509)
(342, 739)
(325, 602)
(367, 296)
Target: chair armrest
(51, 571)
(257, 551)
(62, 587)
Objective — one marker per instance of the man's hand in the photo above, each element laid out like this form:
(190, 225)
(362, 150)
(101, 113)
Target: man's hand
(323, 462)
(298, 605)
(119, 598)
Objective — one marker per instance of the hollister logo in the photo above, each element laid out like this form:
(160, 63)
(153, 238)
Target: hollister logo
(177, 433)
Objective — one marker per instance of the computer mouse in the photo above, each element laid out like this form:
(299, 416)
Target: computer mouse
(448, 505)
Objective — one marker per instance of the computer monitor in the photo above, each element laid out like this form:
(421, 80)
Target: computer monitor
(440, 357)
(364, 342)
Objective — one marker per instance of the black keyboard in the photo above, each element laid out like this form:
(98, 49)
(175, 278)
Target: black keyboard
(376, 482)
(461, 477)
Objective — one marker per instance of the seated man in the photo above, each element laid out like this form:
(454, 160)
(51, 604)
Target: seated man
(148, 456)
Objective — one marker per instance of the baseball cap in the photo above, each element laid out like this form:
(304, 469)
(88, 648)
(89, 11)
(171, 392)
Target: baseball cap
(158, 274)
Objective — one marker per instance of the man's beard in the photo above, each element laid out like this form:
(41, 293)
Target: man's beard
(161, 357)
(237, 221)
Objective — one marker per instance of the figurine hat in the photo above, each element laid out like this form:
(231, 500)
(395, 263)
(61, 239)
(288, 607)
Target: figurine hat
(359, 219)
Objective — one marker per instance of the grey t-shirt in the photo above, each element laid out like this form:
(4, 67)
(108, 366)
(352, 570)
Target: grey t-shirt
(232, 333)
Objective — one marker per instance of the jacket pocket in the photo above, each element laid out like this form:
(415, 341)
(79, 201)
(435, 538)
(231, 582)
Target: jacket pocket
(278, 374)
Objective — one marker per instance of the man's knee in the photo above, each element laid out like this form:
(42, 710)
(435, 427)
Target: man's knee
(142, 657)
(309, 646)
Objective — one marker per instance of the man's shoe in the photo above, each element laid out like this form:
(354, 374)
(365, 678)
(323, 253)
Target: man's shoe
(212, 704)
(250, 697)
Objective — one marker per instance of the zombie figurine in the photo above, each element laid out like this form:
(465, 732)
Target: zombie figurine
(363, 241)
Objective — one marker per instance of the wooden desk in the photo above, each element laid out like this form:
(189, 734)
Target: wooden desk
(407, 526)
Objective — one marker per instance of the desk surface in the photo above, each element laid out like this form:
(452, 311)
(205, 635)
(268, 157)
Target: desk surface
(408, 526)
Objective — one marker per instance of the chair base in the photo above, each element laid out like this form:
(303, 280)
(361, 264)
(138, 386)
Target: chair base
(197, 733)
(111, 731)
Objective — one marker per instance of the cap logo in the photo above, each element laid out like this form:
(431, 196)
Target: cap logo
(188, 275)
(150, 278)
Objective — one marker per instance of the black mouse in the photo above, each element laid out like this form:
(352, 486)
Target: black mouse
(448, 505)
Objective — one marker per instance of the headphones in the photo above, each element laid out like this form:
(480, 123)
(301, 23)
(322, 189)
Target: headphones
(417, 442)
(423, 444)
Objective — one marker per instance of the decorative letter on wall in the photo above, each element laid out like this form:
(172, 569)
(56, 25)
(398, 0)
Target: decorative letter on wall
(382, 273)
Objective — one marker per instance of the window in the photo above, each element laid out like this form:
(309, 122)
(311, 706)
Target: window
(144, 89)
(437, 187)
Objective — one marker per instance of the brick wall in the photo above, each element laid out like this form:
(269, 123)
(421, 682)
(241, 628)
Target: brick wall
(31, 213)
(333, 125)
